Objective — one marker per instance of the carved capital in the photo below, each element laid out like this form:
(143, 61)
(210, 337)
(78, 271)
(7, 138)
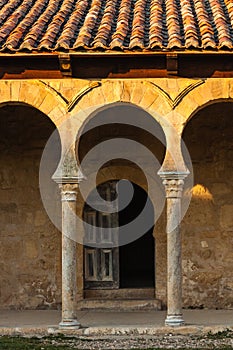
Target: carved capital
(68, 192)
(173, 187)
(68, 174)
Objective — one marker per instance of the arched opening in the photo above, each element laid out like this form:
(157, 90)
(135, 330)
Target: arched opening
(208, 225)
(30, 245)
(136, 260)
(122, 120)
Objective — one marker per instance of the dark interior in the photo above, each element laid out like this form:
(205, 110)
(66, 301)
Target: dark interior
(137, 258)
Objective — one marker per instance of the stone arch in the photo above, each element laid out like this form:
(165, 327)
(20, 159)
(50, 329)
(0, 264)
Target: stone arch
(35, 94)
(112, 171)
(212, 91)
(138, 93)
(104, 108)
(115, 173)
(207, 104)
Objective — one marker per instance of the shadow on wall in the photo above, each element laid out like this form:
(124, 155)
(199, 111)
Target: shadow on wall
(208, 225)
(30, 244)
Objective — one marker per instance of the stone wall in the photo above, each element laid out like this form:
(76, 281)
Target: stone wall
(208, 225)
(30, 244)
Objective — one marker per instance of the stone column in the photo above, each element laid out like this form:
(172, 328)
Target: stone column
(174, 188)
(69, 268)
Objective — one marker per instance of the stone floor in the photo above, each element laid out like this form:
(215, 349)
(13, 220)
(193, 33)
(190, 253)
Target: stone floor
(33, 322)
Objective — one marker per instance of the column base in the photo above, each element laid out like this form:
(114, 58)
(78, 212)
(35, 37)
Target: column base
(174, 320)
(71, 323)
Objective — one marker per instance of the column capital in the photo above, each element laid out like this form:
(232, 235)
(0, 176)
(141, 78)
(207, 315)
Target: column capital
(173, 183)
(68, 179)
(68, 171)
(68, 192)
(173, 187)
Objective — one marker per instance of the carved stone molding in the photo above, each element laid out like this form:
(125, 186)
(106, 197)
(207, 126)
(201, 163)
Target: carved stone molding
(68, 171)
(174, 102)
(70, 104)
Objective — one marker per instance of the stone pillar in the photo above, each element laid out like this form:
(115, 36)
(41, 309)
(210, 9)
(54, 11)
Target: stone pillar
(69, 268)
(174, 188)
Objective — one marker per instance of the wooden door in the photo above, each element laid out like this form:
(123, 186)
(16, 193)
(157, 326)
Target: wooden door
(101, 265)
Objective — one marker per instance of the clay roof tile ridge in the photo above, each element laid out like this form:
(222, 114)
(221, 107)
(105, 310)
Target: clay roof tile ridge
(137, 38)
(14, 19)
(189, 23)
(204, 22)
(173, 24)
(33, 37)
(8, 9)
(19, 32)
(223, 25)
(55, 27)
(103, 35)
(85, 34)
(123, 25)
(73, 25)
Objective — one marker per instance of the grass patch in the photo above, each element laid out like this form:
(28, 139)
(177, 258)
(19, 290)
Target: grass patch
(19, 343)
(72, 343)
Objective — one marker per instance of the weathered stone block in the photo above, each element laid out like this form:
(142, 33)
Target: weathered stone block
(31, 249)
(5, 90)
(226, 217)
(40, 218)
(137, 92)
(220, 188)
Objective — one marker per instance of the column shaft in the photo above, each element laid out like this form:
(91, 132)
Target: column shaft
(174, 262)
(69, 268)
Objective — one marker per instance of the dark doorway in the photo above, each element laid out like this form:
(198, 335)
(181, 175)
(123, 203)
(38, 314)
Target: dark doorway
(131, 265)
(137, 258)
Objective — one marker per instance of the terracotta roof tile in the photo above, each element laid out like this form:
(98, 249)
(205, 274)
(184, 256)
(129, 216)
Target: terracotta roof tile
(156, 28)
(55, 25)
(106, 25)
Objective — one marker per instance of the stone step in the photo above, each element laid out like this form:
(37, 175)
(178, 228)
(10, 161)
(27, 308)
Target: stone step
(121, 293)
(119, 305)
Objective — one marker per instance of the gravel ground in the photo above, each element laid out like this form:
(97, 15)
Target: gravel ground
(169, 341)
